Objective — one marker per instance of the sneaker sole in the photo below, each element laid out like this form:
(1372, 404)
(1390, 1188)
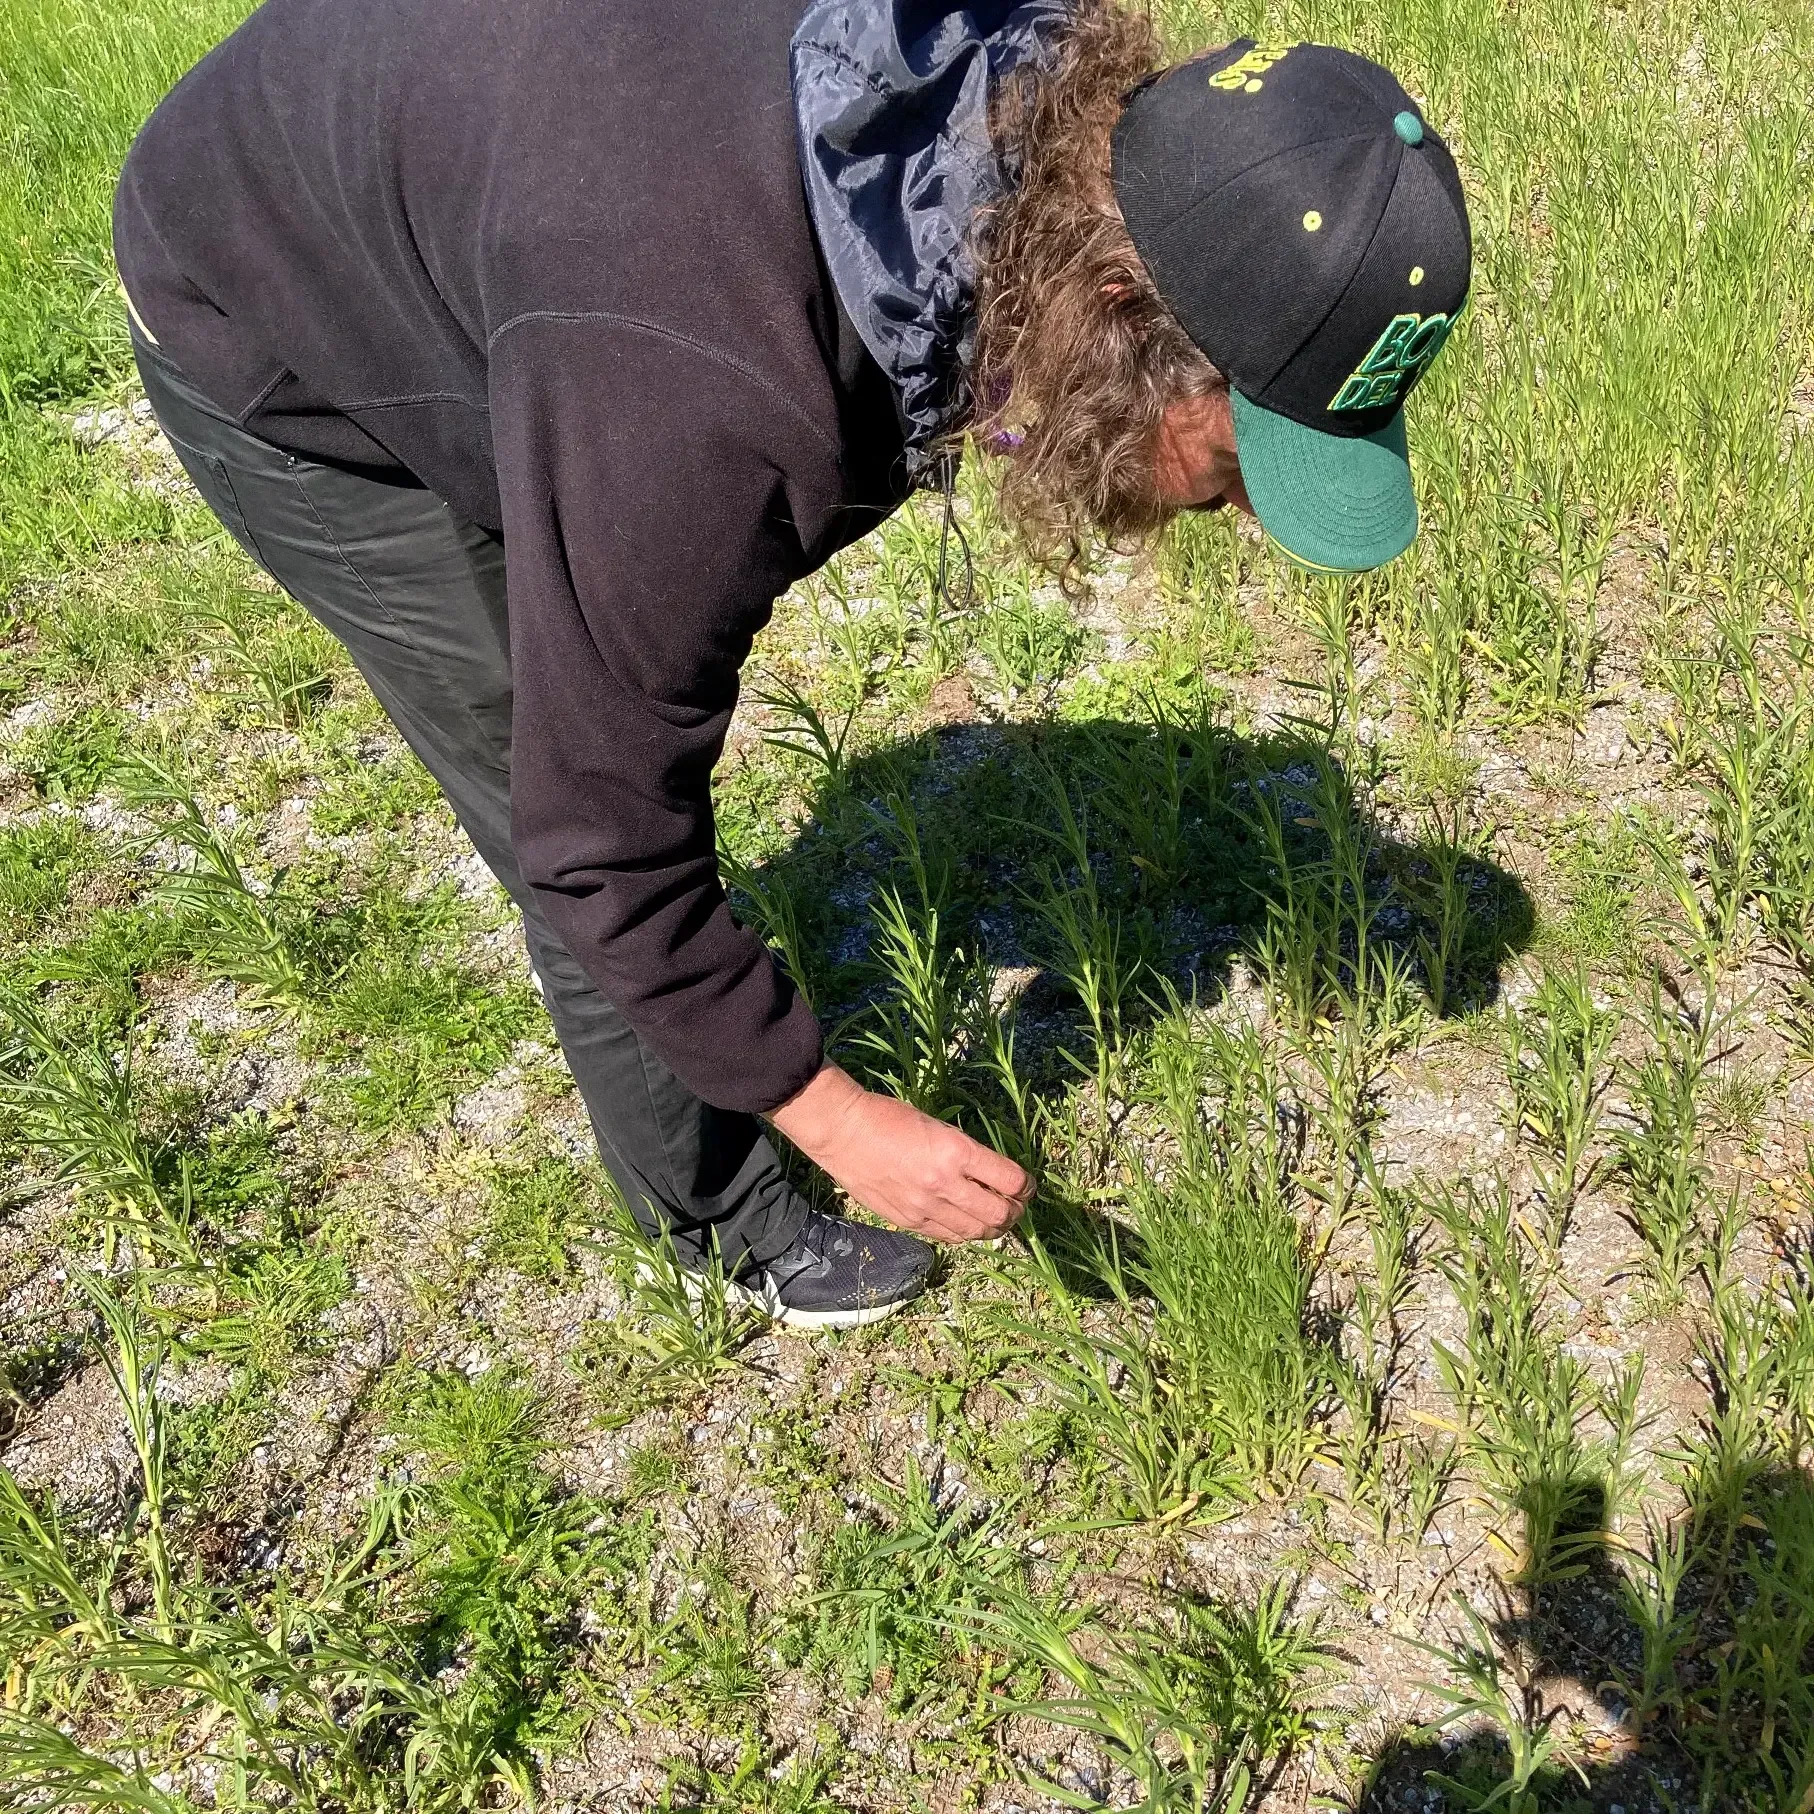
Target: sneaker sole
(770, 1306)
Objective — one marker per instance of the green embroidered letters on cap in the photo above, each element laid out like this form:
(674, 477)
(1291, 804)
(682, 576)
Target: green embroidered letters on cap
(1395, 362)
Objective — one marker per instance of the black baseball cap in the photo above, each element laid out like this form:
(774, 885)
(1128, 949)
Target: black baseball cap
(1308, 230)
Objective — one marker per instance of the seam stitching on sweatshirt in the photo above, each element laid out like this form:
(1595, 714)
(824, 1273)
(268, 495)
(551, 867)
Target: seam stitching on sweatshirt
(716, 354)
(263, 396)
(418, 397)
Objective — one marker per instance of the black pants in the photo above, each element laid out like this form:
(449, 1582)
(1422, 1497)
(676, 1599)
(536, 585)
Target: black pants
(417, 596)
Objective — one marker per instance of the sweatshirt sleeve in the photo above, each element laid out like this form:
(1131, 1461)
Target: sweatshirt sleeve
(647, 533)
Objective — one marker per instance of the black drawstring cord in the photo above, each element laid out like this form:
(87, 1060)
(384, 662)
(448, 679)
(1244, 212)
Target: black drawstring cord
(947, 475)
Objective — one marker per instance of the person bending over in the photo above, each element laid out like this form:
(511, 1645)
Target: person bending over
(536, 348)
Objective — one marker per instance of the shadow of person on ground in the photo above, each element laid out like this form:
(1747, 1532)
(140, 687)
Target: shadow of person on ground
(1706, 1681)
(1179, 846)
(1168, 811)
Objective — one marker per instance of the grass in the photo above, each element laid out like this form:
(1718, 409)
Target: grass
(1402, 989)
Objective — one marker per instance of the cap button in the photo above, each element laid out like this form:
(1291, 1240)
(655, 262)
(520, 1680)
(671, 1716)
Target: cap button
(1408, 127)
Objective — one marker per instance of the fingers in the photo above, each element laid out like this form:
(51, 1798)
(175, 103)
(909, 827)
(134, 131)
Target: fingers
(983, 1193)
(949, 1232)
(953, 1211)
(982, 1211)
(995, 1172)
(985, 1215)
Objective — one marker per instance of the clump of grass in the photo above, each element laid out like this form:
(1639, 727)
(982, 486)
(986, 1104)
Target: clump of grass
(1557, 1047)
(1542, 638)
(76, 1102)
(313, 1691)
(1198, 1711)
(279, 663)
(1342, 991)
(536, 1211)
(256, 937)
(683, 1329)
(1602, 870)
(900, 1588)
(1205, 1382)
(40, 859)
(1030, 643)
(1528, 1410)
(1200, 565)
(1662, 1157)
(68, 757)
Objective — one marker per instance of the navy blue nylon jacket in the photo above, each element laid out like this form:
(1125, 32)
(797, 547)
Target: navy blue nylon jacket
(892, 100)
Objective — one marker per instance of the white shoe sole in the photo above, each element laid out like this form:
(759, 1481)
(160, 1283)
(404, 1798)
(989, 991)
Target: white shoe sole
(763, 1299)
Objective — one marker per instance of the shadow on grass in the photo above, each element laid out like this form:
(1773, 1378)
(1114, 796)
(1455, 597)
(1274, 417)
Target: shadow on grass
(1710, 1684)
(1200, 846)
(1169, 815)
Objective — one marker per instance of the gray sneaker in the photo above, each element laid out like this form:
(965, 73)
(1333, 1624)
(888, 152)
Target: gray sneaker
(837, 1275)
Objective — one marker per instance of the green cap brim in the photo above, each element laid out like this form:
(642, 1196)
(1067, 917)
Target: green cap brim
(1338, 502)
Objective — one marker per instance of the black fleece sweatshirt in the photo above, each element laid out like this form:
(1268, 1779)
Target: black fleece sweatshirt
(554, 259)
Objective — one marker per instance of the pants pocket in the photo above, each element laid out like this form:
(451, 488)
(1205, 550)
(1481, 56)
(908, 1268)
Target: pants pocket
(209, 475)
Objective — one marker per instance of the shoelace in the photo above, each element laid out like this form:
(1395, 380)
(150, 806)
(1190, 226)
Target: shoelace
(817, 1233)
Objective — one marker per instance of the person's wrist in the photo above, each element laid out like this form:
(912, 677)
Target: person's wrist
(812, 1116)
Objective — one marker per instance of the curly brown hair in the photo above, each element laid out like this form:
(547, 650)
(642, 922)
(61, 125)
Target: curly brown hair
(1076, 356)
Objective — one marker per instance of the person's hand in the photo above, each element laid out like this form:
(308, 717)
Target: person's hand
(912, 1171)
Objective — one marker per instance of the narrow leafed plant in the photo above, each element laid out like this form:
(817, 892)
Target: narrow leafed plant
(283, 662)
(1506, 1692)
(777, 916)
(1196, 1712)
(799, 729)
(1030, 643)
(1439, 887)
(1662, 1157)
(1141, 1448)
(682, 1327)
(75, 1101)
(1557, 1048)
(899, 1589)
(934, 1012)
(1343, 993)
(1375, 1460)
(254, 936)
(1545, 1444)
(919, 1034)
(1086, 939)
(1187, 1368)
